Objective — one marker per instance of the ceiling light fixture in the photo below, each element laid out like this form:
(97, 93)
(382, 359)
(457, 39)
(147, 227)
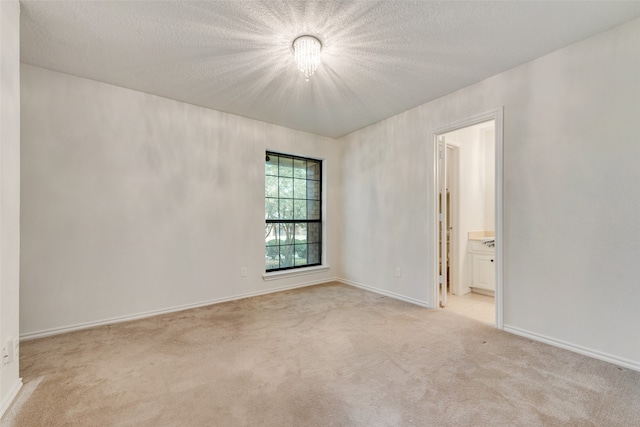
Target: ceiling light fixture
(306, 53)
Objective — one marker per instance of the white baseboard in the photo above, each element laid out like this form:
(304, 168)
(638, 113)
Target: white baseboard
(8, 400)
(619, 361)
(383, 292)
(136, 316)
(625, 363)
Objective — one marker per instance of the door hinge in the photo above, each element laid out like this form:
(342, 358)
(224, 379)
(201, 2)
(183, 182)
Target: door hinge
(441, 279)
(440, 217)
(441, 154)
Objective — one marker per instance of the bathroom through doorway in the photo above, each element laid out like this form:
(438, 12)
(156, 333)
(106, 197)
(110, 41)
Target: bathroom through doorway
(468, 161)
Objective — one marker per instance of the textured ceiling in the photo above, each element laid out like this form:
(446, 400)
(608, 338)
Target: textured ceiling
(379, 58)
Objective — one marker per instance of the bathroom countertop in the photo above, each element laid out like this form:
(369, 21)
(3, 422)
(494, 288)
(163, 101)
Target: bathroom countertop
(481, 235)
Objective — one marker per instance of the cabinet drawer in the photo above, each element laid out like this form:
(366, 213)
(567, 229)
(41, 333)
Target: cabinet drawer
(478, 246)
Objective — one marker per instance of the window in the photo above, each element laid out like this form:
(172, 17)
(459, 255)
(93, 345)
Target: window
(293, 212)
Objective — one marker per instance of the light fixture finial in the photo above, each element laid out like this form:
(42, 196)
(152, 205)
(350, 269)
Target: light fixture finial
(306, 53)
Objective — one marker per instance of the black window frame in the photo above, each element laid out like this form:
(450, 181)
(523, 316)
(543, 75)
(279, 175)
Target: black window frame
(316, 230)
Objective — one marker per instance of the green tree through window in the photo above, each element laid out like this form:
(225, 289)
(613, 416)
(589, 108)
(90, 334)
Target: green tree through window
(293, 212)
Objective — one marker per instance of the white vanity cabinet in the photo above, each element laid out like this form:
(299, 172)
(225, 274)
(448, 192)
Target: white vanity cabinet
(483, 270)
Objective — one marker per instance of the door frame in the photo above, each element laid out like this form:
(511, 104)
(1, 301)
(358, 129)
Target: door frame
(497, 116)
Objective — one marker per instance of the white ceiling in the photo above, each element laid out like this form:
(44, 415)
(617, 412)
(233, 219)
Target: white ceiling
(379, 58)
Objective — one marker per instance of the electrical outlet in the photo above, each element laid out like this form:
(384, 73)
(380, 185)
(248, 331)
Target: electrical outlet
(243, 272)
(398, 272)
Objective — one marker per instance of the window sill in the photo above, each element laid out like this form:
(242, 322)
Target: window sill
(296, 272)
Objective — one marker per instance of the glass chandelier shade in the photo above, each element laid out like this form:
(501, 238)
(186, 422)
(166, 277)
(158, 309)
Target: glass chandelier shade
(306, 53)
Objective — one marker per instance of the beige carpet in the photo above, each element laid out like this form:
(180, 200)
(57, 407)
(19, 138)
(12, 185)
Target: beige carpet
(328, 355)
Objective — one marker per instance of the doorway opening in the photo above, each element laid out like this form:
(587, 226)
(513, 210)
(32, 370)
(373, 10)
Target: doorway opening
(468, 217)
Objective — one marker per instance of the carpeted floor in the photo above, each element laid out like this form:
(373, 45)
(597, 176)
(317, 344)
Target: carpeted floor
(327, 355)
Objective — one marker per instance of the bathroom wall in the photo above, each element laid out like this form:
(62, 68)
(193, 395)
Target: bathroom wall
(487, 136)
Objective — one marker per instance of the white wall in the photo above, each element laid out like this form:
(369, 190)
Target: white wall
(488, 136)
(571, 203)
(133, 203)
(9, 194)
